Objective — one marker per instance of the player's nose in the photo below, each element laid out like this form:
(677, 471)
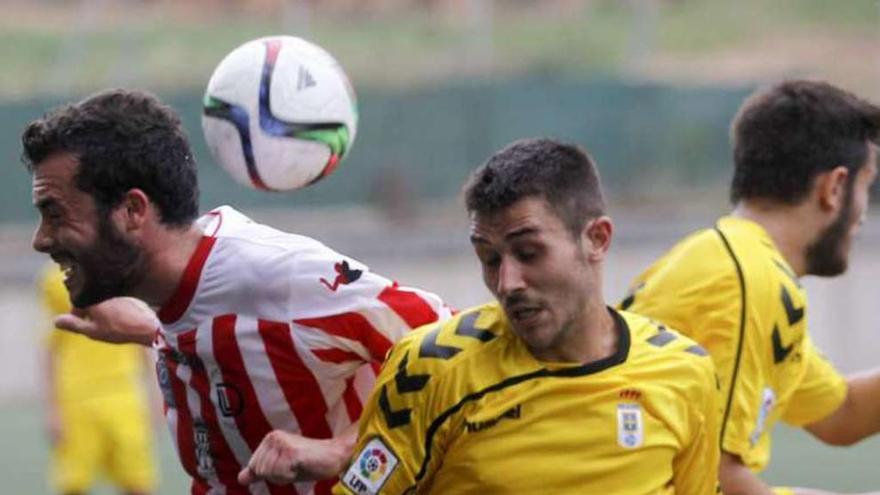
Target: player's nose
(42, 241)
(510, 277)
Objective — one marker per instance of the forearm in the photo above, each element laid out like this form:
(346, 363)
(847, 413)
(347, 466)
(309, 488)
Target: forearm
(121, 320)
(283, 457)
(865, 390)
(737, 479)
(346, 441)
(859, 415)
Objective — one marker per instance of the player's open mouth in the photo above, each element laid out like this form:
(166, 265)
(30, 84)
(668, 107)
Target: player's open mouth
(524, 314)
(68, 267)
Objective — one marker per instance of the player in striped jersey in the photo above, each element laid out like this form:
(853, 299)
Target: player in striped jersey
(547, 390)
(266, 337)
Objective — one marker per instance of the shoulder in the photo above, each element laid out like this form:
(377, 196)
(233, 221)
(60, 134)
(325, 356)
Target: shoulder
(705, 241)
(441, 346)
(262, 257)
(675, 357)
(698, 262)
(256, 242)
(444, 362)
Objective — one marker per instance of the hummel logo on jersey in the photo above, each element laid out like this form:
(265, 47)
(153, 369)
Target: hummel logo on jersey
(345, 275)
(514, 412)
(304, 79)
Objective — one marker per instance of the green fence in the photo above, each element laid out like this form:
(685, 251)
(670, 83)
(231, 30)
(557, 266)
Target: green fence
(426, 141)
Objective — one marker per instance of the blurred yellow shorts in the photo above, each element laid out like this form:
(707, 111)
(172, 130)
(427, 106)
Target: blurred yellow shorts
(108, 436)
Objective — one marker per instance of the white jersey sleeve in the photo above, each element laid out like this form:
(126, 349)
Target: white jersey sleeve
(300, 280)
(364, 311)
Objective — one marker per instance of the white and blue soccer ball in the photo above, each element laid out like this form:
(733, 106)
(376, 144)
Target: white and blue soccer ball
(279, 113)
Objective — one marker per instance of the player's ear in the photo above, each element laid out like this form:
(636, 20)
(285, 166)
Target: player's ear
(135, 209)
(596, 237)
(830, 189)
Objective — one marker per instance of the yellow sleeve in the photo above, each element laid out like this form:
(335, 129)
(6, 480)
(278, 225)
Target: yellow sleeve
(390, 456)
(821, 390)
(695, 468)
(782, 490)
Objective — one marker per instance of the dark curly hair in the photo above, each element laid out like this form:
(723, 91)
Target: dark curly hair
(785, 136)
(562, 174)
(122, 140)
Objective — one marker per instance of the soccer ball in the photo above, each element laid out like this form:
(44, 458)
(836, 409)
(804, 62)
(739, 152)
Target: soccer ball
(279, 113)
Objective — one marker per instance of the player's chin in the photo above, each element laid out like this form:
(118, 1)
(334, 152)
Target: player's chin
(87, 295)
(538, 337)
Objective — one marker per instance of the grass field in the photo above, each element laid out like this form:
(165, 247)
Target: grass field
(797, 459)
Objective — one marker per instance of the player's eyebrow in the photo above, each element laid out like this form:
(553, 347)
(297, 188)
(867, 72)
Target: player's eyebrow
(46, 203)
(510, 236)
(521, 232)
(477, 239)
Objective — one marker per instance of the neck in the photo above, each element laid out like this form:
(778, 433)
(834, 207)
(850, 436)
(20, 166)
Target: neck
(168, 255)
(790, 227)
(591, 337)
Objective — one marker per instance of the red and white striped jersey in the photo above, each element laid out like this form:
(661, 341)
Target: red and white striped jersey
(270, 330)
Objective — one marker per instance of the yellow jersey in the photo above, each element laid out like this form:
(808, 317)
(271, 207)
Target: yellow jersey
(463, 407)
(85, 368)
(730, 289)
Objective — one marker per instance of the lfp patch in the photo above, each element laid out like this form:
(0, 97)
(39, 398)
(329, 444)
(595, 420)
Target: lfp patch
(630, 432)
(371, 468)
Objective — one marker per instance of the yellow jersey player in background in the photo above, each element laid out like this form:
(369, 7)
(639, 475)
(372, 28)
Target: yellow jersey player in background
(97, 406)
(546, 390)
(805, 156)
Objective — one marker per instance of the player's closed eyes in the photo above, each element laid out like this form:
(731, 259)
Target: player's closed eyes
(527, 254)
(491, 261)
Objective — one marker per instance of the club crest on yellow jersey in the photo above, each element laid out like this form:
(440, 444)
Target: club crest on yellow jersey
(630, 433)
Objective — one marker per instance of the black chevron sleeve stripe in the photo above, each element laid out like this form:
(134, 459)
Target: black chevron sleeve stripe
(394, 418)
(407, 383)
(780, 350)
(467, 328)
(697, 349)
(431, 349)
(792, 313)
(662, 338)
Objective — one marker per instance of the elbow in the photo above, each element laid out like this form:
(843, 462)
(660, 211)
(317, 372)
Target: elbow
(837, 438)
(844, 427)
(834, 434)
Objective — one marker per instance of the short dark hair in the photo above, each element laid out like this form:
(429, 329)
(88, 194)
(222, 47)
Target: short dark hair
(122, 140)
(785, 136)
(562, 174)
